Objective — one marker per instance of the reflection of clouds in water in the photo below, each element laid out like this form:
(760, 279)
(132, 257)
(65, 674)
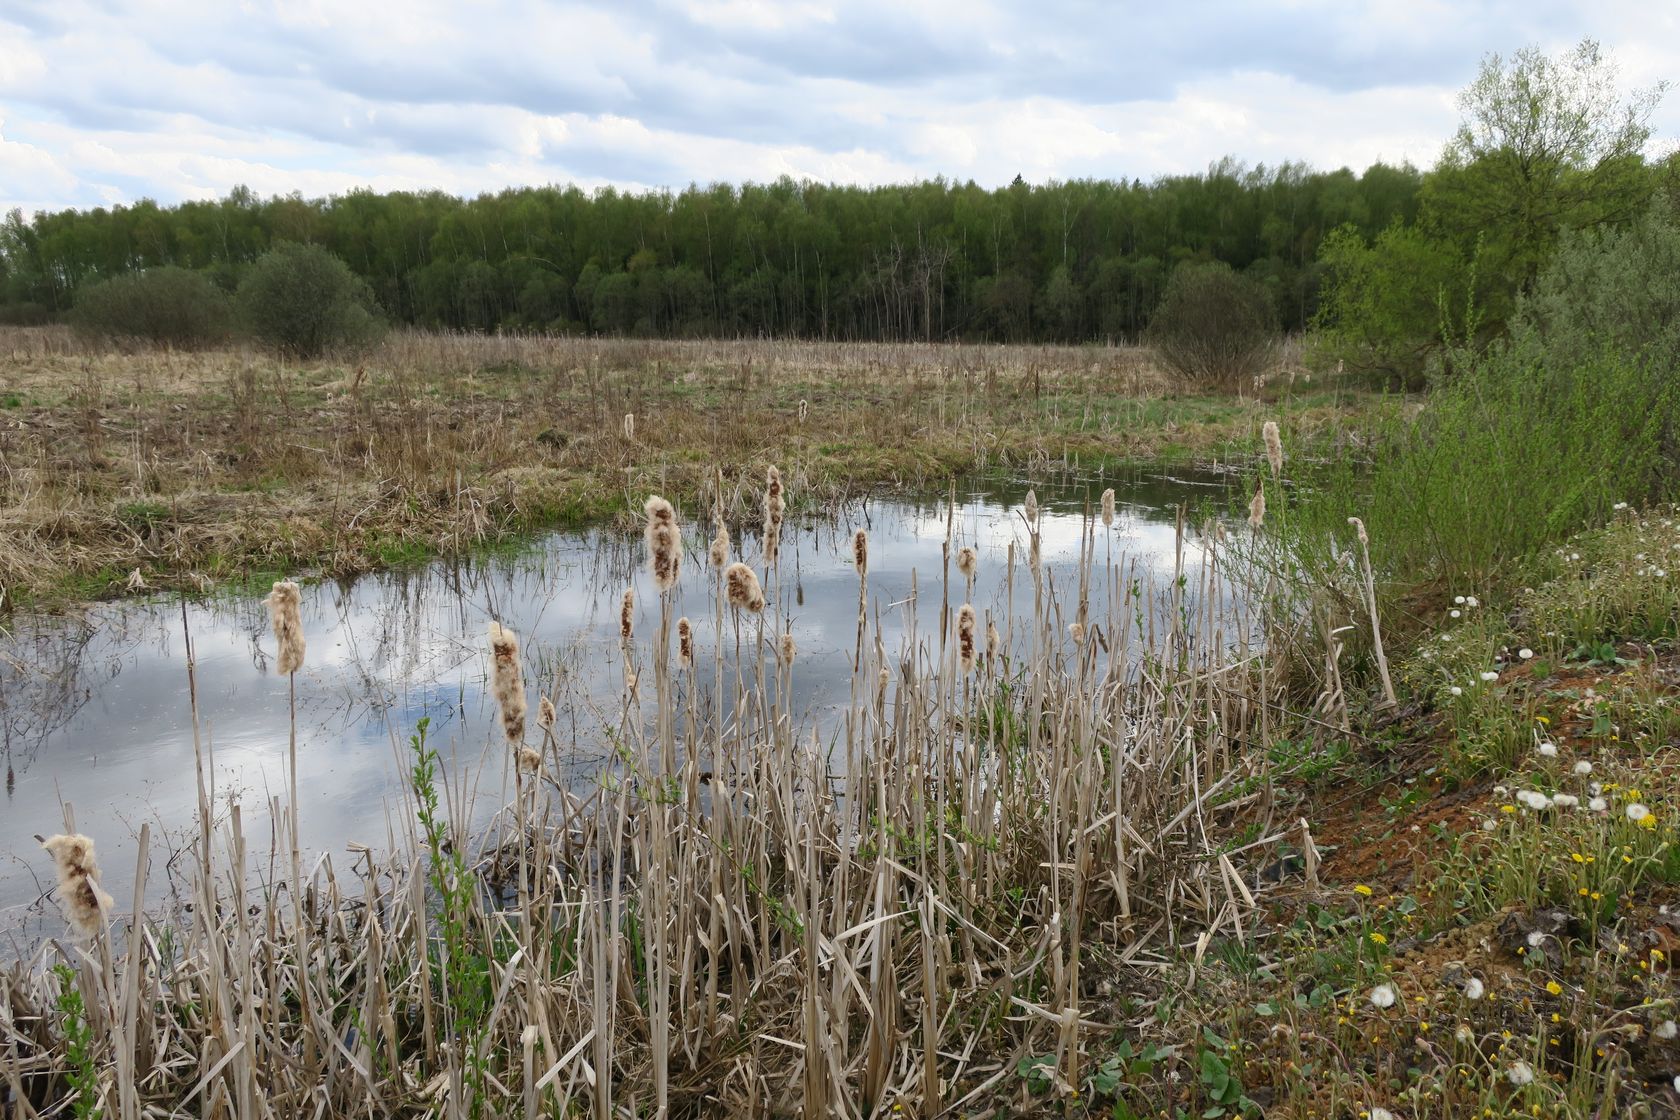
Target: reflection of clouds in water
(385, 650)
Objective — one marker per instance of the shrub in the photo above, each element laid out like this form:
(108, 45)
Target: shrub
(303, 301)
(1214, 328)
(167, 305)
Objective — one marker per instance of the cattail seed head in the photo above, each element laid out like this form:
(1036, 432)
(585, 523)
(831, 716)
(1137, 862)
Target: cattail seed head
(789, 649)
(285, 610)
(80, 896)
(685, 642)
(1031, 507)
(1034, 553)
(530, 760)
(1359, 528)
(965, 637)
(741, 587)
(630, 426)
(1076, 631)
(627, 614)
(507, 681)
(545, 712)
(994, 640)
(664, 542)
(1274, 446)
(967, 561)
(804, 409)
(860, 552)
(775, 504)
(1257, 508)
(1108, 507)
(720, 543)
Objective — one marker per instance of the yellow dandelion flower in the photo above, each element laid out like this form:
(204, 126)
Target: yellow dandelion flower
(1554, 987)
(1362, 889)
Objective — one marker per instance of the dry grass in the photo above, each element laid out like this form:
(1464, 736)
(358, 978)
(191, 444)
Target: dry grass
(126, 470)
(739, 921)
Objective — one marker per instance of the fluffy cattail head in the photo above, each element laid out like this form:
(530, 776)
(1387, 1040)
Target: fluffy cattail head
(627, 614)
(804, 409)
(1257, 508)
(720, 543)
(664, 542)
(630, 425)
(1359, 527)
(1108, 507)
(965, 637)
(545, 712)
(775, 504)
(1076, 631)
(994, 640)
(685, 642)
(860, 552)
(1030, 507)
(789, 649)
(507, 681)
(967, 561)
(1274, 446)
(285, 609)
(530, 760)
(741, 587)
(83, 901)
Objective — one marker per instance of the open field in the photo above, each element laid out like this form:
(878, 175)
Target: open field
(162, 469)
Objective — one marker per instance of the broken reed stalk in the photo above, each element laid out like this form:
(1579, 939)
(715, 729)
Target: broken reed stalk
(1389, 699)
(744, 887)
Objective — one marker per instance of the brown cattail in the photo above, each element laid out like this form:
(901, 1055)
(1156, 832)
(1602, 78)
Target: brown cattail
(1359, 527)
(804, 409)
(775, 504)
(80, 896)
(507, 682)
(630, 426)
(967, 561)
(626, 614)
(1076, 631)
(720, 542)
(1274, 446)
(545, 713)
(664, 542)
(530, 760)
(1257, 508)
(685, 642)
(1031, 507)
(741, 588)
(1108, 507)
(994, 640)
(1033, 553)
(965, 637)
(285, 608)
(860, 552)
(789, 649)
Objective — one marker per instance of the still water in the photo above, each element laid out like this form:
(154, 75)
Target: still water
(95, 712)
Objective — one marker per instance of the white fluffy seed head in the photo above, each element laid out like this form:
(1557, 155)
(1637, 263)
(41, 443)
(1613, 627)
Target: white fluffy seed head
(1274, 446)
(1383, 996)
(84, 903)
(1473, 988)
(664, 542)
(965, 637)
(285, 611)
(507, 681)
(1108, 507)
(1520, 1074)
(685, 642)
(741, 588)
(967, 561)
(1257, 508)
(1030, 507)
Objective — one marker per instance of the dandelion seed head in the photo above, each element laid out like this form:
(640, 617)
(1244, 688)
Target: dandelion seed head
(1636, 812)
(1583, 768)
(1536, 939)
(1455, 691)
(1598, 804)
(1667, 1029)
(1525, 653)
(1566, 800)
(1473, 988)
(1470, 601)
(1520, 1074)
(1547, 750)
(1383, 996)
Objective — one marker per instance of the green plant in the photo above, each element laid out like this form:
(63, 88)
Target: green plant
(162, 305)
(1214, 326)
(78, 1045)
(304, 301)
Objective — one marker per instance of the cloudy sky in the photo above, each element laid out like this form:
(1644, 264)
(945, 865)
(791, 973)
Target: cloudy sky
(107, 101)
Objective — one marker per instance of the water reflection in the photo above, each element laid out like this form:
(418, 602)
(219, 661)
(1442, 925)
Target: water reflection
(94, 709)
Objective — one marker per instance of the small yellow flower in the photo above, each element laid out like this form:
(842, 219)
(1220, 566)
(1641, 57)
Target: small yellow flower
(1554, 987)
(1507, 808)
(1362, 889)
(1648, 821)
(1378, 938)
(1658, 955)
(1577, 857)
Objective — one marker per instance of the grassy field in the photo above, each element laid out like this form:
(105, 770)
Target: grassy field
(155, 469)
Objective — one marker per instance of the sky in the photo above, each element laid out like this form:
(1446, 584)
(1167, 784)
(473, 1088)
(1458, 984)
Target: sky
(109, 101)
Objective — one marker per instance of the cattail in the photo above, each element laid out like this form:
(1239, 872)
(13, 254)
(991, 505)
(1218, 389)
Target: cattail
(1108, 507)
(1257, 508)
(967, 561)
(80, 896)
(720, 542)
(507, 682)
(664, 542)
(626, 613)
(774, 506)
(1032, 507)
(804, 409)
(741, 587)
(1076, 631)
(285, 605)
(545, 713)
(994, 640)
(1274, 446)
(530, 760)
(965, 637)
(1033, 553)
(630, 426)
(685, 642)
(1359, 527)
(789, 649)
(860, 552)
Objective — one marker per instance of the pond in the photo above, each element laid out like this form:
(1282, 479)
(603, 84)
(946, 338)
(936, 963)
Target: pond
(95, 710)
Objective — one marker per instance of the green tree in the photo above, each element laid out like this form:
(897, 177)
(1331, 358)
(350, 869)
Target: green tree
(162, 305)
(1214, 327)
(303, 301)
